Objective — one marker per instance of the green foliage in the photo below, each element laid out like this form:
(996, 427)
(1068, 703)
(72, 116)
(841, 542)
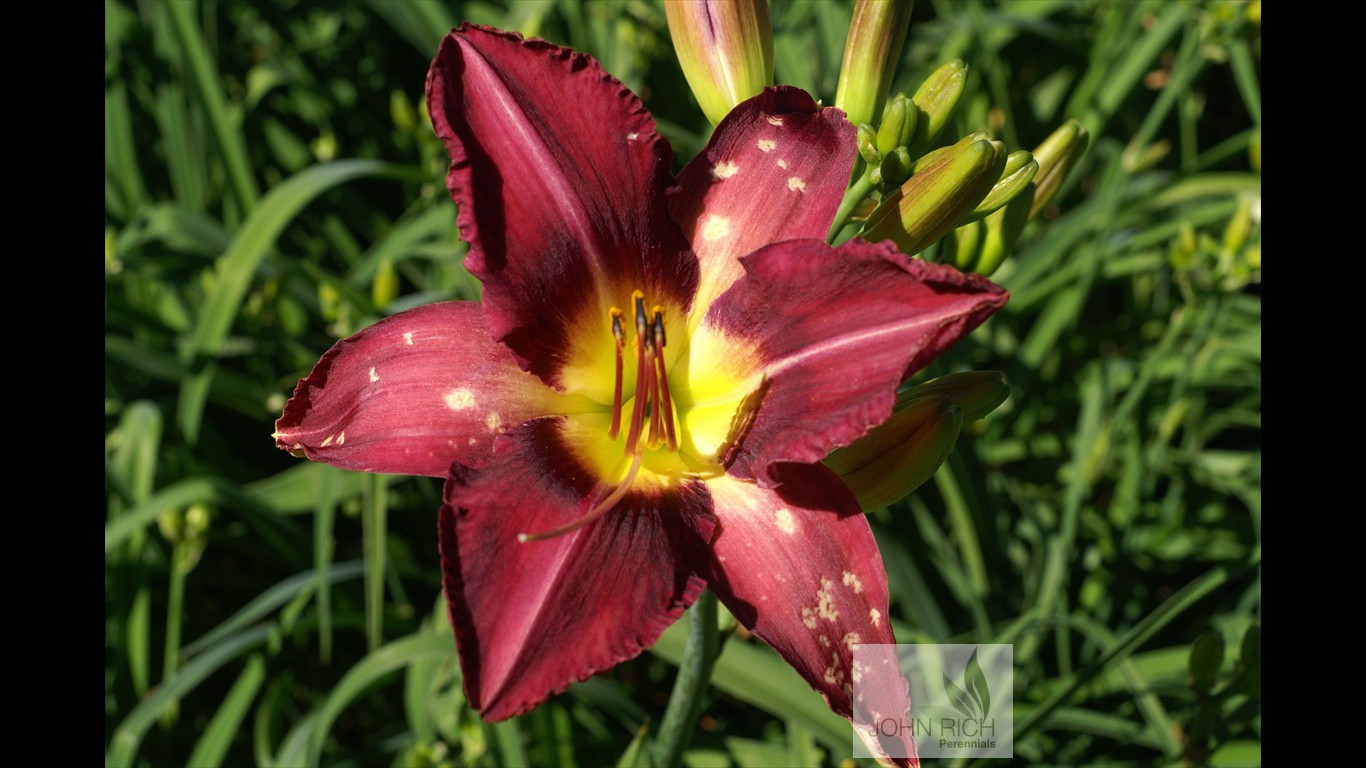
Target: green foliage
(272, 185)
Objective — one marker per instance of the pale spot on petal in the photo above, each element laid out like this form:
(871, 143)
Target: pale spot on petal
(825, 600)
(782, 163)
(459, 399)
(408, 338)
(875, 616)
(767, 144)
(851, 580)
(825, 641)
(785, 522)
(373, 376)
(472, 441)
(326, 441)
(850, 639)
(341, 438)
(632, 136)
(773, 119)
(715, 228)
(724, 170)
(493, 422)
(796, 185)
(809, 618)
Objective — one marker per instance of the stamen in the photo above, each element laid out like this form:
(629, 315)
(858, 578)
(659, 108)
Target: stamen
(665, 403)
(620, 336)
(599, 509)
(642, 393)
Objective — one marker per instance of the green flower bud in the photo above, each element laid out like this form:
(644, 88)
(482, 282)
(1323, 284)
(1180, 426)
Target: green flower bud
(867, 144)
(898, 124)
(1019, 171)
(935, 155)
(936, 198)
(1001, 230)
(937, 99)
(901, 454)
(978, 393)
(896, 167)
(1206, 658)
(1056, 156)
(960, 247)
(871, 54)
(725, 48)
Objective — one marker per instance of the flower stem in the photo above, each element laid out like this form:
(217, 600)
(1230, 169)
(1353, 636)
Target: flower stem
(694, 674)
(852, 197)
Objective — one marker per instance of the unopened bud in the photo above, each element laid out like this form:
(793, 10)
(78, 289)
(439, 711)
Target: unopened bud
(1001, 230)
(935, 199)
(725, 48)
(978, 393)
(871, 55)
(895, 167)
(898, 124)
(1056, 156)
(1019, 171)
(900, 455)
(937, 99)
(867, 144)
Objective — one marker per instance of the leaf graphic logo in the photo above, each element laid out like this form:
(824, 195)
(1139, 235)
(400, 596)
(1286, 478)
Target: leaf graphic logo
(972, 699)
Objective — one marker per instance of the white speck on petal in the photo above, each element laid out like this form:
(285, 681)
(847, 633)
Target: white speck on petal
(408, 338)
(785, 522)
(341, 438)
(459, 399)
(809, 618)
(716, 228)
(632, 136)
(851, 580)
(326, 441)
(850, 639)
(773, 119)
(875, 616)
(767, 144)
(796, 185)
(724, 170)
(493, 422)
(782, 163)
(825, 600)
(373, 376)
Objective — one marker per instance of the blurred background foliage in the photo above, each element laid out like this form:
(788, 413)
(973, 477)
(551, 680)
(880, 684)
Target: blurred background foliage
(272, 184)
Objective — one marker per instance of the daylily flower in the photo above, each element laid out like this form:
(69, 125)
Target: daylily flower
(638, 407)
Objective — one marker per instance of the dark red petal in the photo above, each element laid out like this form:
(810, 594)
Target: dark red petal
(798, 565)
(775, 169)
(533, 617)
(411, 394)
(560, 181)
(837, 329)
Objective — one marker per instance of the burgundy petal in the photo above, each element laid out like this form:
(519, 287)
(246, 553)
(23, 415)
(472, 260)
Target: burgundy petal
(560, 179)
(411, 394)
(798, 565)
(836, 330)
(533, 617)
(775, 169)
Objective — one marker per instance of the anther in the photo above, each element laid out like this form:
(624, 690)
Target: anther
(665, 403)
(620, 336)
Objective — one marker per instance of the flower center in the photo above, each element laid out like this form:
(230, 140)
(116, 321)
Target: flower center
(652, 407)
(652, 401)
